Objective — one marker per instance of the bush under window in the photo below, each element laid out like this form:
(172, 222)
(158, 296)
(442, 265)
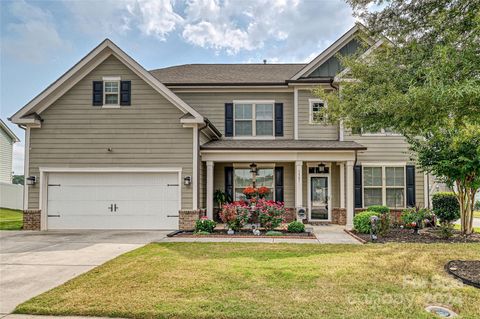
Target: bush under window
(361, 221)
(296, 227)
(446, 207)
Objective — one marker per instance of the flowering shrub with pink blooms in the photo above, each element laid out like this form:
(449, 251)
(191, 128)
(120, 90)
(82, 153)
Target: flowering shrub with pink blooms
(270, 213)
(235, 215)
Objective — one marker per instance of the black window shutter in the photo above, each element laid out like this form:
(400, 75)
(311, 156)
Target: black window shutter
(357, 181)
(410, 173)
(97, 94)
(229, 183)
(125, 92)
(279, 184)
(229, 119)
(278, 119)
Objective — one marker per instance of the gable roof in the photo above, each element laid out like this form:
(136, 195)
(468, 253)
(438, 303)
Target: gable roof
(331, 51)
(82, 68)
(9, 132)
(241, 74)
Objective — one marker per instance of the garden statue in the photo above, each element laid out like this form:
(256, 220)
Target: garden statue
(373, 227)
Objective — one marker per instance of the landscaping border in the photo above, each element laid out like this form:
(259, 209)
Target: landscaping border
(464, 280)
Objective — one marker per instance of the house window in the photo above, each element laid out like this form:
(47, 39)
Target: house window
(381, 132)
(111, 92)
(243, 178)
(253, 119)
(316, 111)
(384, 186)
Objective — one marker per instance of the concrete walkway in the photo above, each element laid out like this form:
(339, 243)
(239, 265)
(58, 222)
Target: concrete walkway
(325, 234)
(32, 262)
(476, 222)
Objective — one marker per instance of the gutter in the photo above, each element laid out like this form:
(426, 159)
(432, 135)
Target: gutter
(209, 125)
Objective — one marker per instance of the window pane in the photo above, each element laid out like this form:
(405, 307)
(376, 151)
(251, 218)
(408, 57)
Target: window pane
(372, 176)
(395, 197)
(243, 177)
(243, 111)
(395, 176)
(111, 87)
(264, 111)
(264, 128)
(372, 196)
(111, 99)
(265, 177)
(243, 128)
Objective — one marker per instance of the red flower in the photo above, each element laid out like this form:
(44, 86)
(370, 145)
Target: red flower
(249, 190)
(263, 190)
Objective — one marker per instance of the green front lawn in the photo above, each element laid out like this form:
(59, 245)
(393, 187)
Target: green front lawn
(11, 219)
(476, 214)
(230, 280)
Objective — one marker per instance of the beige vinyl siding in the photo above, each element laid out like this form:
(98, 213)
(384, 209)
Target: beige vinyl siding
(307, 131)
(146, 134)
(212, 106)
(288, 180)
(6, 152)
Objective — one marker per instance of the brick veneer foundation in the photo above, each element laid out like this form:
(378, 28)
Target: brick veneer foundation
(188, 218)
(339, 216)
(31, 219)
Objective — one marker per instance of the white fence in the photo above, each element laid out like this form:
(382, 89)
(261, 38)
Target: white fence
(11, 196)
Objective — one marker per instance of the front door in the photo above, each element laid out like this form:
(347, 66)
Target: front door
(319, 197)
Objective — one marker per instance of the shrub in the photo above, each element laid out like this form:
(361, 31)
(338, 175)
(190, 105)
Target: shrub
(378, 209)
(270, 214)
(477, 205)
(274, 233)
(384, 212)
(361, 221)
(296, 227)
(205, 225)
(446, 207)
(412, 217)
(235, 215)
(446, 230)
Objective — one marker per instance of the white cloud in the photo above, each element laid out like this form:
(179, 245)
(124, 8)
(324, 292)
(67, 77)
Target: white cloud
(155, 17)
(33, 36)
(291, 26)
(18, 158)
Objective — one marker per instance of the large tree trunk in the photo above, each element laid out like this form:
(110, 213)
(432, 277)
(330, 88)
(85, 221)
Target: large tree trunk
(466, 201)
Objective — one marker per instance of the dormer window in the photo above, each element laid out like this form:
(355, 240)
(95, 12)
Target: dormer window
(316, 111)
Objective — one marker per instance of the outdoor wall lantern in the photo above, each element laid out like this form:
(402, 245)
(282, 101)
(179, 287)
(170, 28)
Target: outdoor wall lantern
(31, 180)
(187, 180)
(253, 168)
(321, 168)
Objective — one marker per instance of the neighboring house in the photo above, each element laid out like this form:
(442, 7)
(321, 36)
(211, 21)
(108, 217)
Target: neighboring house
(113, 145)
(10, 194)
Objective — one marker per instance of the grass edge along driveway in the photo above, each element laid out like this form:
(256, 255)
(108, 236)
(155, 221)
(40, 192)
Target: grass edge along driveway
(232, 280)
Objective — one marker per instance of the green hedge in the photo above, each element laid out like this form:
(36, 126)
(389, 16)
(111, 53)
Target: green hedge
(446, 207)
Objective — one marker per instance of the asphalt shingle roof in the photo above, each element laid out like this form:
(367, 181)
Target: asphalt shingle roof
(278, 144)
(227, 73)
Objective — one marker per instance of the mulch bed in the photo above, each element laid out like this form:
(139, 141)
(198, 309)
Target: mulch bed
(427, 235)
(246, 234)
(468, 271)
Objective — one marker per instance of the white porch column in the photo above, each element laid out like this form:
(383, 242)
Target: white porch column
(298, 184)
(210, 189)
(342, 185)
(349, 191)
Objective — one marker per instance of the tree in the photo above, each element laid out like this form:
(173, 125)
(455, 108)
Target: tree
(423, 80)
(18, 179)
(454, 154)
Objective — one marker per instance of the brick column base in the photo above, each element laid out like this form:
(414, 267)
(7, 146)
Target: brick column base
(31, 219)
(188, 218)
(339, 216)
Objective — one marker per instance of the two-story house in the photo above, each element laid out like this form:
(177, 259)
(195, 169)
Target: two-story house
(110, 145)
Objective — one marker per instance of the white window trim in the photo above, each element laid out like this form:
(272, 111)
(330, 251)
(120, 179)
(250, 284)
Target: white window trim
(259, 166)
(111, 79)
(254, 120)
(384, 183)
(310, 111)
(381, 133)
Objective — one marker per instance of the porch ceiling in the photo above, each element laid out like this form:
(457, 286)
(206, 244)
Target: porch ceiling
(282, 145)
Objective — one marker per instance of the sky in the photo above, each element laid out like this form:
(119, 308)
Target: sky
(40, 40)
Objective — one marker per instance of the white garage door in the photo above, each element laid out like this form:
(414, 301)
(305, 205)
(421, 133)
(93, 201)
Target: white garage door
(113, 201)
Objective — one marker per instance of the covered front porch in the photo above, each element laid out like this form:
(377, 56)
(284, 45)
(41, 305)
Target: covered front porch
(313, 176)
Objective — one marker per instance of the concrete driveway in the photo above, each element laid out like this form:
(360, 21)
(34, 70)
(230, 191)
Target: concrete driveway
(32, 262)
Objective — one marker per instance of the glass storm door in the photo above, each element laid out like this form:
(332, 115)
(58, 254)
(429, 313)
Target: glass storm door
(319, 197)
